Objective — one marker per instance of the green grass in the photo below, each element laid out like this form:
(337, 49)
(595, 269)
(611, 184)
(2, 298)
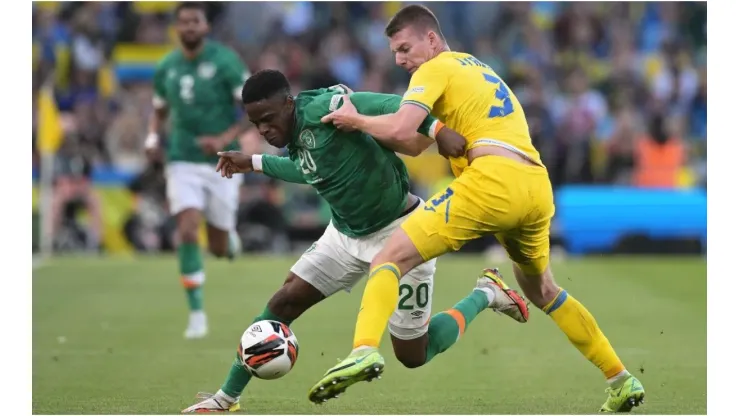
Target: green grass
(107, 338)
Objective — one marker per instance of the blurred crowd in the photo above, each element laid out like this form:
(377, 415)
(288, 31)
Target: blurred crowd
(613, 92)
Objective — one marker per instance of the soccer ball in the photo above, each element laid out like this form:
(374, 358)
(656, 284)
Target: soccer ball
(268, 349)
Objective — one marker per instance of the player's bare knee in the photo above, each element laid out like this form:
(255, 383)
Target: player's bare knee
(293, 298)
(218, 241)
(188, 234)
(188, 225)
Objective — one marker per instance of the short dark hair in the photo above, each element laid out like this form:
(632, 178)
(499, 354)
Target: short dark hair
(191, 5)
(413, 15)
(263, 85)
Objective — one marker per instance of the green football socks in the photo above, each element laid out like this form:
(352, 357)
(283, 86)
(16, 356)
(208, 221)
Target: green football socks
(192, 274)
(447, 327)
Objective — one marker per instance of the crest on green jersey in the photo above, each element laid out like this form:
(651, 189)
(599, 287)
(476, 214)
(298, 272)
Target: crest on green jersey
(307, 139)
(206, 70)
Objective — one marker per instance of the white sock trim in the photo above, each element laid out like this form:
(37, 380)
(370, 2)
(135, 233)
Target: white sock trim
(197, 278)
(618, 378)
(363, 348)
(490, 294)
(220, 393)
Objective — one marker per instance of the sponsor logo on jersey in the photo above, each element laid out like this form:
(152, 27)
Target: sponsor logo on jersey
(334, 103)
(415, 90)
(312, 248)
(417, 314)
(206, 70)
(307, 139)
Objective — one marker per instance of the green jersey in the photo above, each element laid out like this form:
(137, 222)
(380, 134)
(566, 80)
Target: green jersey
(199, 94)
(365, 184)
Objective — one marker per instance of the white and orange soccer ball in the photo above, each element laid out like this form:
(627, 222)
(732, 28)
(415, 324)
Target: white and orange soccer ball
(268, 349)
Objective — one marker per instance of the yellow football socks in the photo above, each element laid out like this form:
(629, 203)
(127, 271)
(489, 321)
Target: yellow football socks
(583, 332)
(378, 303)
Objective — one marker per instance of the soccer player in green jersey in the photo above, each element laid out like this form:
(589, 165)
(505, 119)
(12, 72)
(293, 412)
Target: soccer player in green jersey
(367, 187)
(196, 86)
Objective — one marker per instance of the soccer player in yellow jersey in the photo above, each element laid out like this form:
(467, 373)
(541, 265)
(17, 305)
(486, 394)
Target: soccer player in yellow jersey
(501, 188)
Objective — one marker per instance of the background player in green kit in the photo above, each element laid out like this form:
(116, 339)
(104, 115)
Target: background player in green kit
(196, 86)
(367, 187)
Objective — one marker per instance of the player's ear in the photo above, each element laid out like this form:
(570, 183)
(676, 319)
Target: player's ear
(433, 38)
(430, 37)
(290, 102)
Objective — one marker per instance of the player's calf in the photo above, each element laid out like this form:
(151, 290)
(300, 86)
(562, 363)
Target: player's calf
(294, 298)
(412, 353)
(539, 288)
(218, 242)
(583, 332)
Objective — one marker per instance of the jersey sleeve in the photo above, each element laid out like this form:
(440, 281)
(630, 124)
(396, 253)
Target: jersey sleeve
(426, 86)
(160, 93)
(281, 168)
(375, 104)
(235, 74)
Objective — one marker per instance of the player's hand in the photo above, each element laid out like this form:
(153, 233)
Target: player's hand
(232, 162)
(211, 144)
(152, 148)
(450, 143)
(344, 117)
(154, 154)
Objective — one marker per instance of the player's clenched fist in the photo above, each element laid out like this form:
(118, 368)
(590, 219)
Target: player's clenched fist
(232, 162)
(450, 143)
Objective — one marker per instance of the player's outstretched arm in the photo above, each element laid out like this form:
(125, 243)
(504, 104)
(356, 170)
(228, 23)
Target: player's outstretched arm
(400, 126)
(367, 104)
(427, 85)
(277, 167)
(376, 104)
(232, 162)
(282, 168)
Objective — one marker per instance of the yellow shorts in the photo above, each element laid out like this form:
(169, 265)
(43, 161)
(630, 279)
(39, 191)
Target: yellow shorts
(494, 195)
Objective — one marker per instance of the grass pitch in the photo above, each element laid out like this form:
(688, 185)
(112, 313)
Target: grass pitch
(107, 338)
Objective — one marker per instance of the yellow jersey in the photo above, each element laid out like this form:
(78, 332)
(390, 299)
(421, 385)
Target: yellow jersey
(471, 99)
